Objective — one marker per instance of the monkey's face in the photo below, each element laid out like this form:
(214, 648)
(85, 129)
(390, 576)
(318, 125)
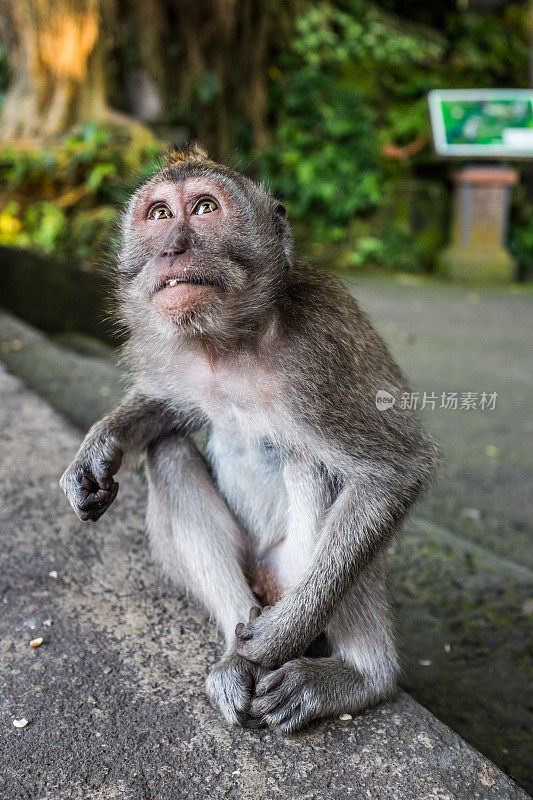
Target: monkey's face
(202, 253)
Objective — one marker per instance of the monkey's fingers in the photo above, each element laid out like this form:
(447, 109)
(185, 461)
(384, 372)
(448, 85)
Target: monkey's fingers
(92, 505)
(241, 629)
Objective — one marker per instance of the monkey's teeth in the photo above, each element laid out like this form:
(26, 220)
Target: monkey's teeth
(173, 282)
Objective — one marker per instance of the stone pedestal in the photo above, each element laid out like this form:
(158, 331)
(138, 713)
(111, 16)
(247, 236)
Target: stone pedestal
(477, 251)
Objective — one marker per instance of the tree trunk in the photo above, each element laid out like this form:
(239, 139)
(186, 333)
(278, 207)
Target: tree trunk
(57, 70)
(256, 29)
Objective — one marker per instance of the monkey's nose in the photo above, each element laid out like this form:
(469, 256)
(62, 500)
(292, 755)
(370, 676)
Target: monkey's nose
(178, 246)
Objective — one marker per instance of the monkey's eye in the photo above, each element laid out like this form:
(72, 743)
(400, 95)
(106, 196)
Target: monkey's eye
(160, 211)
(205, 206)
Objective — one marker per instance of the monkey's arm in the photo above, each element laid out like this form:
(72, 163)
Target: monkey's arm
(128, 429)
(379, 462)
(361, 520)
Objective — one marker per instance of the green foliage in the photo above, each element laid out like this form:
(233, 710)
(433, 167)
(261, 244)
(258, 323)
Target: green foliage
(491, 45)
(66, 199)
(325, 162)
(351, 152)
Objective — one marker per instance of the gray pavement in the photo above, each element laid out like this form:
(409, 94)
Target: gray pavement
(114, 694)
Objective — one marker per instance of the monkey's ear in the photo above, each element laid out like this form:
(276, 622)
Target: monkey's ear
(284, 232)
(179, 154)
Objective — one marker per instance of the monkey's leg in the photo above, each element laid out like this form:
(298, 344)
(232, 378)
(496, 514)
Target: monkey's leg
(360, 672)
(199, 544)
(363, 517)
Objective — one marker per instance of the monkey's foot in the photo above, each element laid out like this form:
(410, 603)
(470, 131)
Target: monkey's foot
(290, 697)
(230, 686)
(306, 689)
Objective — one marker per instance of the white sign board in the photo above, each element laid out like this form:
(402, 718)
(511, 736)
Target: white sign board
(482, 122)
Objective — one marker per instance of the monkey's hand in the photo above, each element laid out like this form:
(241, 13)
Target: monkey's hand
(230, 686)
(88, 482)
(272, 638)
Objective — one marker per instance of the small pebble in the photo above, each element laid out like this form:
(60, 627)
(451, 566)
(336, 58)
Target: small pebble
(425, 662)
(447, 647)
(20, 723)
(36, 642)
(53, 573)
(345, 716)
(47, 623)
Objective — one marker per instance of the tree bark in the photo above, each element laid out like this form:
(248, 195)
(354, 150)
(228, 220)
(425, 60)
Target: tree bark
(56, 66)
(256, 29)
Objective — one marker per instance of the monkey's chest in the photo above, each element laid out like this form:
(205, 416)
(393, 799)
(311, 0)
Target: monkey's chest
(241, 406)
(240, 426)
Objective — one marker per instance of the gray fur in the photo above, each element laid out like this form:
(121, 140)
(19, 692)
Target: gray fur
(302, 479)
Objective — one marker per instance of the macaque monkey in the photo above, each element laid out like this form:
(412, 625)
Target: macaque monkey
(279, 526)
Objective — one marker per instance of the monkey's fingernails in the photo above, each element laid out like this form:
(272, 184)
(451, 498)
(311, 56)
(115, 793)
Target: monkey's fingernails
(267, 608)
(255, 612)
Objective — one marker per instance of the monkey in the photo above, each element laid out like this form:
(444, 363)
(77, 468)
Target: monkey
(278, 524)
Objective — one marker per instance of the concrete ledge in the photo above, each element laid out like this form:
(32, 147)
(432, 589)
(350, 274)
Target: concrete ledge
(114, 695)
(82, 387)
(57, 295)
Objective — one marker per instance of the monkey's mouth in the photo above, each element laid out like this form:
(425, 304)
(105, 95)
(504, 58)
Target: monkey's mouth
(186, 280)
(179, 295)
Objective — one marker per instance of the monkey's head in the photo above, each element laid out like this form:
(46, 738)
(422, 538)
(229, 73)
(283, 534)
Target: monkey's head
(205, 251)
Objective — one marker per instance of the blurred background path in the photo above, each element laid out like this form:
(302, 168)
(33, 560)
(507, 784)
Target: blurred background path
(452, 339)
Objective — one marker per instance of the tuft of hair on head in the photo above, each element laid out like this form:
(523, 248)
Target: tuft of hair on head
(179, 154)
